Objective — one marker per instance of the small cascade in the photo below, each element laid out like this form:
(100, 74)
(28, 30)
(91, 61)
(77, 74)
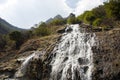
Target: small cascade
(22, 70)
(72, 58)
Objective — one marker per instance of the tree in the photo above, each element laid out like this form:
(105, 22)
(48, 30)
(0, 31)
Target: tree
(42, 31)
(2, 41)
(89, 17)
(99, 12)
(113, 8)
(17, 37)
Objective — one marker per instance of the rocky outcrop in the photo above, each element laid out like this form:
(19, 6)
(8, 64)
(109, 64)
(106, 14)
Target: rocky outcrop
(106, 59)
(107, 55)
(34, 70)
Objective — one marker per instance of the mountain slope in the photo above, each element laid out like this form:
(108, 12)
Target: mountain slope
(56, 17)
(6, 27)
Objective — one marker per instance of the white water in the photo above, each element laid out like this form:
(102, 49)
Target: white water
(72, 56)
(22, 70)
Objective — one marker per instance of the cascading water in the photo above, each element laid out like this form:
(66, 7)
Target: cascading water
(72, 56)
(22, 70)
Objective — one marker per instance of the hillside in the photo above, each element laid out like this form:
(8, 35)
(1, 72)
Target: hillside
(102, 54)
(84, 47)
(6, 27)
(57, 17)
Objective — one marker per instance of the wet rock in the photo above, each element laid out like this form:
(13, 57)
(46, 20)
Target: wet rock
(106, 55)
(66, 58)
(9, 72)
(85, 68)
(69, 29)
(61, 31)
(33, 70)
(83, 61)
(77, 77)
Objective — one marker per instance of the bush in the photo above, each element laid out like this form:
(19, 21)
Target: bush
(2, 42)
(42, 31)
(43, 24)
(17, 37)
(99, 12)
(97, 22)
(57, 22)
(113, 8)
(89, 17)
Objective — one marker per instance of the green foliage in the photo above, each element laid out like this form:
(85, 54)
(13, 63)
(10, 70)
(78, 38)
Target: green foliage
(97, 22)
(6, 27)
(57, 22)
(99, 12)
(71, 19)
(103, 15)
(2, 42)
(42, 31)
(17, 37)
(27, 35)
(43, 24)
(113, 8)
(89, 17)
(80, 18)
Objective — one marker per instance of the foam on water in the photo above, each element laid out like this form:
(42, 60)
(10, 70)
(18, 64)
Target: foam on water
(72, 56)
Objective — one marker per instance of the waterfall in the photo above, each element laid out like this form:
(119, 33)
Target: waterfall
(22, 70)
(72, 57)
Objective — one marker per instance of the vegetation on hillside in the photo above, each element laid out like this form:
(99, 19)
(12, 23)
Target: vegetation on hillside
(6, 28)
(104, 16)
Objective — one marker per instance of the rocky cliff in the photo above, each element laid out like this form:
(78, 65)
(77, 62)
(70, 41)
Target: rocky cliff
(106, 59)
(107, 55)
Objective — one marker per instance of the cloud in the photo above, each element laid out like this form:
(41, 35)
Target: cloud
(72, 3)
(25, 13)
(2, 1)
(82, 5)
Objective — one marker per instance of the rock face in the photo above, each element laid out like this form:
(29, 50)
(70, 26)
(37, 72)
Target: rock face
(107, 56)
(106, 60)
(34, 70)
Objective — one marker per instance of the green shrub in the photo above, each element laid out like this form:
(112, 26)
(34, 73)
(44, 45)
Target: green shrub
(43, 24)
(89, 17)
(17, 37)
(57, 22)
(2, 42)
(97, 22)
(113, 9)
(42, 31)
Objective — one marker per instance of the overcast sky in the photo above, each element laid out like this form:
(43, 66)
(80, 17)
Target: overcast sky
(26, 13)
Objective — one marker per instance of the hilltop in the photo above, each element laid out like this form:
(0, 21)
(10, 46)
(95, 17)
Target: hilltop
(6, 27)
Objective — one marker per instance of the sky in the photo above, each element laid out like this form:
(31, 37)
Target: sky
(26, 13)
